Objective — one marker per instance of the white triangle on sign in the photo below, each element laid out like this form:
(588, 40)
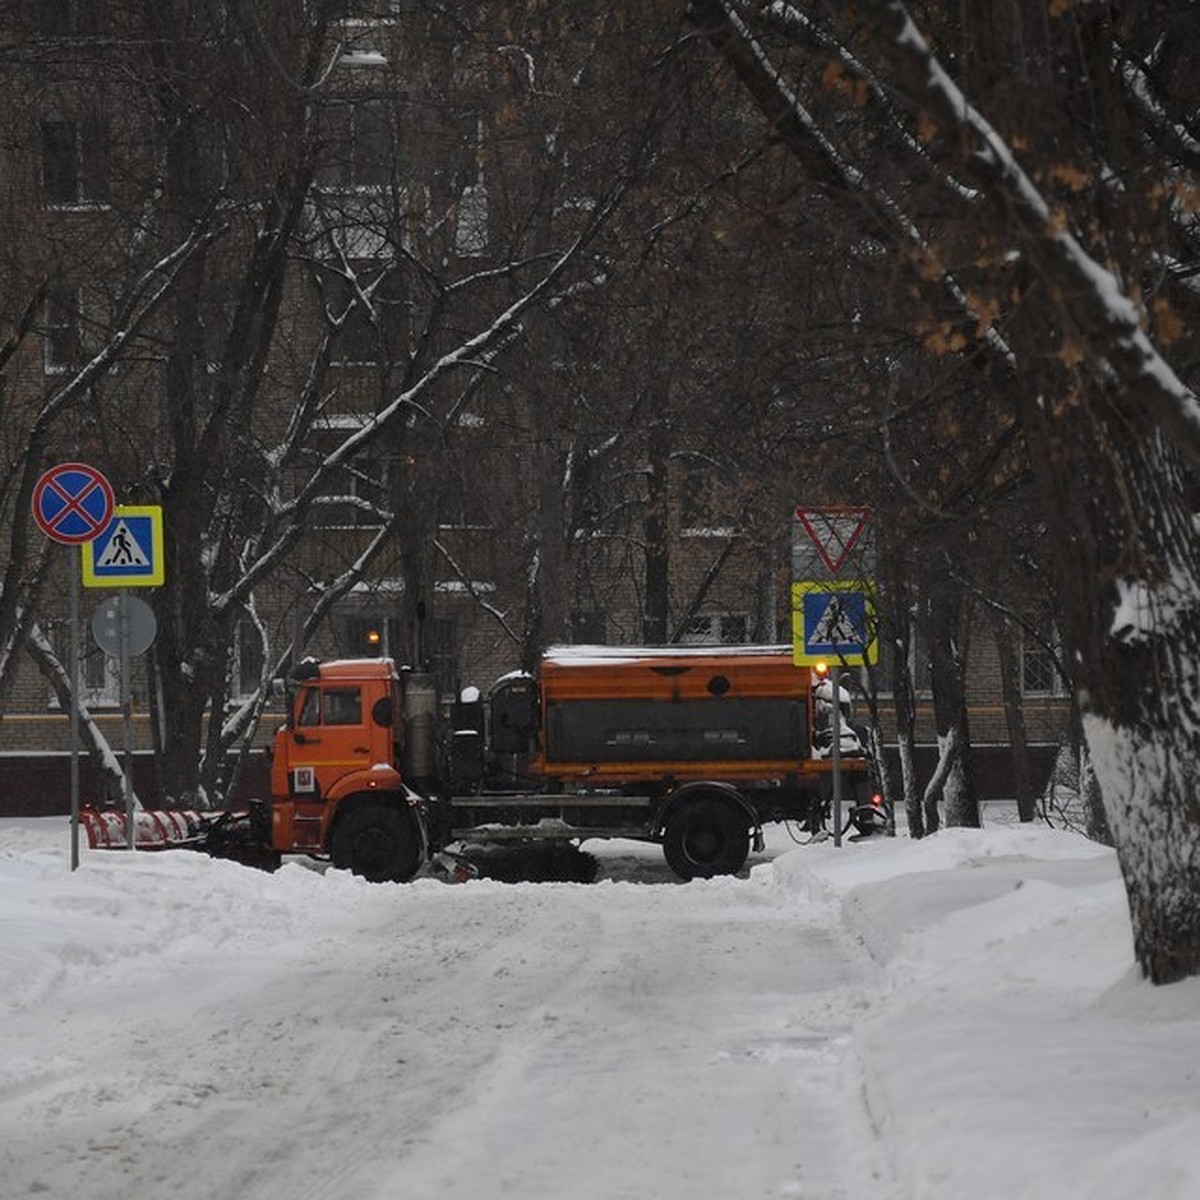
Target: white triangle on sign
(835, 628)
(835, 532)
(122, 549)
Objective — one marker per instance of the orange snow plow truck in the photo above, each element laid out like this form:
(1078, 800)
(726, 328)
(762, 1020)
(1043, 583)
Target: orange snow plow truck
(690, 748)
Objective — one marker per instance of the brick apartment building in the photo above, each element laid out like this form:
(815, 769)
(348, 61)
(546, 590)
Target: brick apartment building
(87, 128)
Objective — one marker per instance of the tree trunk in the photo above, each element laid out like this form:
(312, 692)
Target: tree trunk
(945, 628)
(1014, 715)
(904, 693)
(1129, 583)
(656, 617)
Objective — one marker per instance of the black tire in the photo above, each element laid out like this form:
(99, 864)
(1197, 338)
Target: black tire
(706, 837)
(379, 842)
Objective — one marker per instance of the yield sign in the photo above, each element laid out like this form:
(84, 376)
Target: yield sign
(72, 503)
(834, 534)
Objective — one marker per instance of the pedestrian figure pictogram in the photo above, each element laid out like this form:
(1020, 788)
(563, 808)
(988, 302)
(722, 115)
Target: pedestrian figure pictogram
(121, 550)
(835, 627)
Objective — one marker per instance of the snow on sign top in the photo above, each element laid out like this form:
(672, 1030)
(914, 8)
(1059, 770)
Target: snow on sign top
(833, 533)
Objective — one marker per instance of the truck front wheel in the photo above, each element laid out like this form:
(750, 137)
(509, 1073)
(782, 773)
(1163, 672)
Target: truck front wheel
(378, 842)
(706, 837)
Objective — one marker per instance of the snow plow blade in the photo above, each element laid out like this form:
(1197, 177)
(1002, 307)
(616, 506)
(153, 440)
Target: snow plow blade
(243, 835)
(163, 829)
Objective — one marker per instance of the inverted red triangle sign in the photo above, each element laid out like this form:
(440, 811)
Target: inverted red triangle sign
(834, 532)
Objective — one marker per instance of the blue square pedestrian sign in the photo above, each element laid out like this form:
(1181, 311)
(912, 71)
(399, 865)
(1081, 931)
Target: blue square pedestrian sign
(833, 621)
(129, 552)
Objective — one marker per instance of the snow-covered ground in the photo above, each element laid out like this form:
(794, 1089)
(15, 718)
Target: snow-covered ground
(893, 1020)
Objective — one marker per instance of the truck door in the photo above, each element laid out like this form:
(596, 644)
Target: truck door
(327, 739)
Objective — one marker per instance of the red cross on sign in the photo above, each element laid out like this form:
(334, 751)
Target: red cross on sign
(72, 503)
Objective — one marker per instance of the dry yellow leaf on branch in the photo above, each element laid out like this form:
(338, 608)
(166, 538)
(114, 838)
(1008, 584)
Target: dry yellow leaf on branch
(1071, 353)
(1056, 222)
(1187, 195)
(1167, 324)
(831, 77)
(986, 311)
(1070, 175)
(945, 340)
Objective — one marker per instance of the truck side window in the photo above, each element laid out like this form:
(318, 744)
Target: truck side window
(342, 706)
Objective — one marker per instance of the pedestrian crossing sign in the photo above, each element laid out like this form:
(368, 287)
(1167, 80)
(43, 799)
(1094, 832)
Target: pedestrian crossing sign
(129, 553)
(833, 622)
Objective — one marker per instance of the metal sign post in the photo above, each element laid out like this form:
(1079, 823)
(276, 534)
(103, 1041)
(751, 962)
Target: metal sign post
(127, 726)
(74, 719)
(833, 617)
(72, 503)
(125, 626)
(836, 722)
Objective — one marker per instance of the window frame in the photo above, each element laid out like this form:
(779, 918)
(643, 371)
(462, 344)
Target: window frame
(74, 164)
(1033, 649)
(99, 673)
(718, 629)
(62, 329)
(248, 658)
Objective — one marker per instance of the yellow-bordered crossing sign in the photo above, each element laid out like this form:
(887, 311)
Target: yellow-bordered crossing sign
(833, 621)
(129, 553)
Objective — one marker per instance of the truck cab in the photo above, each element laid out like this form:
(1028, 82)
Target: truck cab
(336, 785)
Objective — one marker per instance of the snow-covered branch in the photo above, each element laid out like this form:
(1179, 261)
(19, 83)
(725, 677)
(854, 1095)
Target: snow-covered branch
(59, 678)
(1108, 320)
(879, 214)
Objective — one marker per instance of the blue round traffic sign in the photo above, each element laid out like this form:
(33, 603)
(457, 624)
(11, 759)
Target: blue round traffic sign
(72, 503)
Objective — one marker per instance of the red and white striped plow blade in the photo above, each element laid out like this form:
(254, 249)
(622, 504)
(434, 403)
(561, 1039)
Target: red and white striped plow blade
(157, 829)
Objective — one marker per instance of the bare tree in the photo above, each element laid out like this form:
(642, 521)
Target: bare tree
(1078, 209)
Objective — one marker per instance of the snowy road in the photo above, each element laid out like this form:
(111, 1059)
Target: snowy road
(307, 1035)
(893, 1020)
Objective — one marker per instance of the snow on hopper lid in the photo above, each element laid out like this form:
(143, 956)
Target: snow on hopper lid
(597, 655)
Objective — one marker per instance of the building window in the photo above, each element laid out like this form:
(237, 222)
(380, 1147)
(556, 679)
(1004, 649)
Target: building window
(587, 627)
(889, 664)
(60, 330)
(1040, 675)
(440, 636)
(702, 490)
(471, 230)
(354, 498)
(74, 164)
(247, 660)
(358, 146)
(69, 18)
(375, 10)
(368, 314)
(371, 635)
(724, 629)
(99, 673)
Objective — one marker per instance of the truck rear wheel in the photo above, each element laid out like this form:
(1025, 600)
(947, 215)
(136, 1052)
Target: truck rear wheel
(378, 842)
(706, 837)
